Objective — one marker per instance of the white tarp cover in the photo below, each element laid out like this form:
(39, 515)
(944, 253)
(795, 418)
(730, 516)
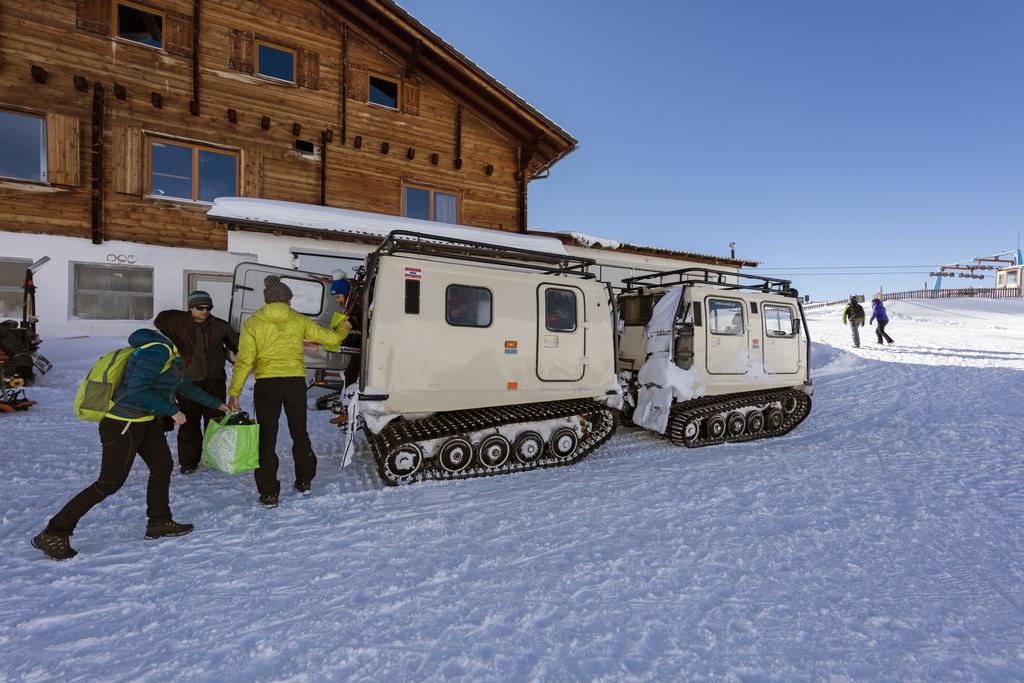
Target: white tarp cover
(329, 219)
(659, 378)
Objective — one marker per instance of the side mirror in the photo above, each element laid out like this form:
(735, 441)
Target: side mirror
(796, 325)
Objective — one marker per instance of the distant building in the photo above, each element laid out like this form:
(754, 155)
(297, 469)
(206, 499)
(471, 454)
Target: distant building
(1009, 277)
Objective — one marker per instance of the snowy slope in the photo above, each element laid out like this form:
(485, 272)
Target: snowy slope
(878, 541)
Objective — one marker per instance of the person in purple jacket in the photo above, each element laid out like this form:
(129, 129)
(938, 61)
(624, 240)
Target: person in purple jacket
(879, 315)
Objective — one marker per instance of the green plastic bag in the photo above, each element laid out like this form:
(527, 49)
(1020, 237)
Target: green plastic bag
(231, 448)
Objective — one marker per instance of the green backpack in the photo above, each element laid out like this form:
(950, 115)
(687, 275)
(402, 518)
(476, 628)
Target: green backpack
(95, 396)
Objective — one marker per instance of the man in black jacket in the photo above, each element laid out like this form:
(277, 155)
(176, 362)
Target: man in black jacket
(214, 338)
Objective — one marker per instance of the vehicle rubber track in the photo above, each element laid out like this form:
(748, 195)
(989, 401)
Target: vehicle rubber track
(682, 414)
(598, 422)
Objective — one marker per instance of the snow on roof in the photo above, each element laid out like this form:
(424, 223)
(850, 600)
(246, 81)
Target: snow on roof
(585, 239)
(273, 213)
(597, 242)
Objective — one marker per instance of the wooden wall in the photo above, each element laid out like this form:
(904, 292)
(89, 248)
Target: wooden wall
(64, 38)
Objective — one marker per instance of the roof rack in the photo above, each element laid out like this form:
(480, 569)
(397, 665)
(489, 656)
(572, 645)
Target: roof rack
(409, 242)
(719, 278)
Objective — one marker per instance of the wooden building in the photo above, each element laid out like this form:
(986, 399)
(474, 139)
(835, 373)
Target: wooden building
(122, 120)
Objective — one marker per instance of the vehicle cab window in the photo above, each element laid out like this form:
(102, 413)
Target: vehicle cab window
(725, 317)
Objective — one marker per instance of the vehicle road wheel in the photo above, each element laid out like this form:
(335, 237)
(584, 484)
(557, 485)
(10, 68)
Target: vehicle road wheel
(455, 455)
(775, 418)
(529, 446)
(564, 442)
(691, 432)
(494, 451)
(737, 424)
(755, 423)
(716, 426)
(789, 405)
(404, 462)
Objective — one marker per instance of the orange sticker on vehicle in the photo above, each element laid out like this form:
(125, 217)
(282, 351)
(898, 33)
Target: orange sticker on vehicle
(511, 347)
(512, 386)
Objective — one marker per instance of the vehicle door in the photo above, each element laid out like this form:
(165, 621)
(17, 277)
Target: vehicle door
(782, 342)
(727, 348)
(310, 296)
(561, 333)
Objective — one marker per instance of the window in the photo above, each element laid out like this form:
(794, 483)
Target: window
(467, 306)
(307, 295)
(23, 141)
(431, 205)
(275, 62)
(725, 317)
(1011, 278)
(193, 172)
(778, 321)
(140, 25)
(637, 310)
(384, 92)
(12, 278)
(113, 292)
(560, 310)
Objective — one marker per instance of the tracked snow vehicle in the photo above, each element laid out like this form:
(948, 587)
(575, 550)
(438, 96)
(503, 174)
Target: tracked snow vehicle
(710, 357)
(477, 359)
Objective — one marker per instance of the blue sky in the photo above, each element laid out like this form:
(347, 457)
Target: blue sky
(811, 133)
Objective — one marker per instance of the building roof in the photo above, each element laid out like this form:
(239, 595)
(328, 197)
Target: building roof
(581, 239)
(427, 52)
(312, 220)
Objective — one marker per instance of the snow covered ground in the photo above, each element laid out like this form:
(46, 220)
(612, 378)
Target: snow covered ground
(881, 540)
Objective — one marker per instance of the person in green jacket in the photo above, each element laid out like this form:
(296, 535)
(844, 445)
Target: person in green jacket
(271, 344)
(853, 315)
(134, 426)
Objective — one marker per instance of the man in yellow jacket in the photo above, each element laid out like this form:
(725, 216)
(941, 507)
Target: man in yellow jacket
(271, 342)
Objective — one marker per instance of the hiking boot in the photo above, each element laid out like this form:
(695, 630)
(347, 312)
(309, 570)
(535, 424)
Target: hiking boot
(304, 487)
(268, 500)
(168, 528)
(189, 469)
(54, 546)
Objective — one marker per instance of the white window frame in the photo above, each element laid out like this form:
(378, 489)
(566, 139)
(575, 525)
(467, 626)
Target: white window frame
(712, 319)
(73, 299)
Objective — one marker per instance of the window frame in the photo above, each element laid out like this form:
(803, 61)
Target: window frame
(575, 310)
(196, 147)
(765, 307)
(76, 290)
(490, 296)
(1012, 278)
(430, 206)
(44, 166)
(116, 21)
(18, 289)
(280, 48)
(390, 79)
(743, 320)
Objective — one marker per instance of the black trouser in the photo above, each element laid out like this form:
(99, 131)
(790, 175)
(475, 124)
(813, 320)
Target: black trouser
(197, 417)
(880, 331)
(121, 442)
(269, 395)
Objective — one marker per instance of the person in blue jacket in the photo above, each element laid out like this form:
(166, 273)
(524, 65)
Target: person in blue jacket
(153, 375)
(879, 315)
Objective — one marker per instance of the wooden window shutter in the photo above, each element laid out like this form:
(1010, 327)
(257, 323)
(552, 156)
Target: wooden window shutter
(240, 58)
(128, 160)
(411, 98)
(94, 15)
(358, 83)
(63, 150)
(252, 173)
(178, 34)
(308, 70)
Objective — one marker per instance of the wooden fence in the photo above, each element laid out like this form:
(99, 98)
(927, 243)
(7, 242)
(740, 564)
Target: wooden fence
(962, 292)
